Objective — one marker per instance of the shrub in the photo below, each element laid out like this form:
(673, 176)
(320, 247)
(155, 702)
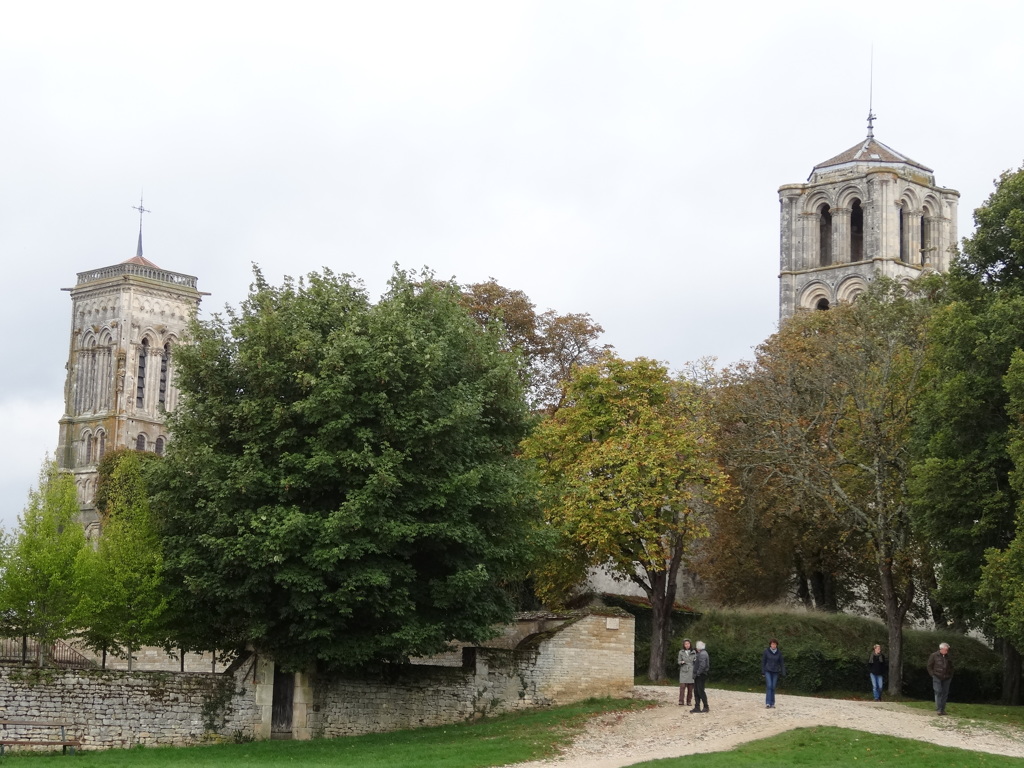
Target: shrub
(823, 651)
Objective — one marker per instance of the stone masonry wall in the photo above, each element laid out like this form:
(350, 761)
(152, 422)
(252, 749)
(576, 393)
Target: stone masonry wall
(113, 708)
(592, 656)
(584, 656)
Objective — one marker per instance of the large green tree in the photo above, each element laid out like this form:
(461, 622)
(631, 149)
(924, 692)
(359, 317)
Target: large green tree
(827, 414)
(39, 592)
(628, 471)
(964, 498)
(342, 487)
(1001, 586)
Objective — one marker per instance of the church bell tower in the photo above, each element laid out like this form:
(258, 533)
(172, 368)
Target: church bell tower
(125, 322)
(866, 212)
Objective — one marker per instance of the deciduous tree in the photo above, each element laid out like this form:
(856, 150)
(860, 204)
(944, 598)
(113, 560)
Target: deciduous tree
(123, 601)
(828, 417)
(551, 345)
(627, 469)
(342, 487)
(964, 498)
(39, 593)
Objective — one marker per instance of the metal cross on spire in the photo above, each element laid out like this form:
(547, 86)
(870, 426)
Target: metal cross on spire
(141, 210)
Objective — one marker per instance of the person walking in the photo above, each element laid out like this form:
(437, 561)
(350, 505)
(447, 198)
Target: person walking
(876, 669)
(940, 667)
(686, 658)
(773, 666)
(701, 667)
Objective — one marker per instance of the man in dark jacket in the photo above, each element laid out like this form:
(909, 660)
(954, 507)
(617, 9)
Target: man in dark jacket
(701, 667)
(940, 667)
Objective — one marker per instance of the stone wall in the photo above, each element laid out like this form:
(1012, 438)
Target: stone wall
(570, 658)
(113, 708)
(587, 656)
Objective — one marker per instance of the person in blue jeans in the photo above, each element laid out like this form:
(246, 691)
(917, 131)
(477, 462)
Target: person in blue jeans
(876, 668)
(773, 666)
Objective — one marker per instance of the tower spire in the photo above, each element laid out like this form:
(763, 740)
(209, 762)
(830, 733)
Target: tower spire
(141, 210)
(871, 94)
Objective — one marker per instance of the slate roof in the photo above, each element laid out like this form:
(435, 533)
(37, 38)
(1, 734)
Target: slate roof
(141, 260)
(871, 151)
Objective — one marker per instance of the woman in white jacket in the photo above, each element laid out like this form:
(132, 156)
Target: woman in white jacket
(686, 658)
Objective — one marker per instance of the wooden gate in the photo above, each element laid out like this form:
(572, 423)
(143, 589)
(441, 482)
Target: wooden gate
(281, 705)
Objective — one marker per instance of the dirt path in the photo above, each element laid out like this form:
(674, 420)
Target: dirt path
(618, 740)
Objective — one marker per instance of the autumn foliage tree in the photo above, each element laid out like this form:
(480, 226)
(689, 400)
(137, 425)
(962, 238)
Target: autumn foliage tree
(627, 472)
(825, 415)
(552, 345)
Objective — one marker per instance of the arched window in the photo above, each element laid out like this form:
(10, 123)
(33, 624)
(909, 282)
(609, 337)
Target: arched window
(102, 436)
(822, 304)
(140, 443)
(904, 234)
(825, 235)
(165, 362)
(140, 379)
(856, 232)
(88, 448)
(926, 241)
(158, 447)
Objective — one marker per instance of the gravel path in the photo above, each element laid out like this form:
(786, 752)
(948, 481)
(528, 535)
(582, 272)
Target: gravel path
(616, 740)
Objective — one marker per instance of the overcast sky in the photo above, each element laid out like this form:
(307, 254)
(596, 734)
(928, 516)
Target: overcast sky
(616, 158)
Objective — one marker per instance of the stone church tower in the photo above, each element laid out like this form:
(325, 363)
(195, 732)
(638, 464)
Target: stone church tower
(125, 322)
(868, 211)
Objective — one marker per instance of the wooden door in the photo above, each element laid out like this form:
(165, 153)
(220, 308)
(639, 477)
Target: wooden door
(281, 705)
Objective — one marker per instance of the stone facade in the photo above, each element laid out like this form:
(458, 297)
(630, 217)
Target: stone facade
(126, 320)
(570, 658)
(869, 211)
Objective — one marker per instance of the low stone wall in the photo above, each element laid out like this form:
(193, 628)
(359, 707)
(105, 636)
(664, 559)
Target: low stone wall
(578, 657)
(113, 708)
(589, 656)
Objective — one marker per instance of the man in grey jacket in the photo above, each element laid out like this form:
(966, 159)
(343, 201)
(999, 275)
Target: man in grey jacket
(701, 667)
(940, 667)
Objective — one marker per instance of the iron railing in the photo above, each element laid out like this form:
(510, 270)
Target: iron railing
(27, 651)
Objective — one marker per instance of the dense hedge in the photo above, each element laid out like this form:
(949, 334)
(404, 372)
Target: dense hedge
(822, 651)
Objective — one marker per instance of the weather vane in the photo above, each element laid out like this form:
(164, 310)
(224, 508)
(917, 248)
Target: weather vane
(141, 210)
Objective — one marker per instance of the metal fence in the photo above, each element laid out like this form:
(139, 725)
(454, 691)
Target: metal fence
(28, 652)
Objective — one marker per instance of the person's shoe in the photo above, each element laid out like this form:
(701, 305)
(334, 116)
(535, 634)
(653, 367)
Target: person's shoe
(695, 710)
(767, 706)
(705, 711)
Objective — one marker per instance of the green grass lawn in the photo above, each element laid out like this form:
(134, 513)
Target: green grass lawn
(539, 733)
(490, 742)
(822, 746)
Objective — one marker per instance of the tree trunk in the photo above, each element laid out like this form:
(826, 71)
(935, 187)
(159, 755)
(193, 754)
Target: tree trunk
(1011, 673)
(662, 594)
(803, 592)
(936, 608)
(824, 588)
(896, 606)
(660, 626)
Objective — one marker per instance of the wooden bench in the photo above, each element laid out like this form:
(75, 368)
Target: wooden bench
(32, 741)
